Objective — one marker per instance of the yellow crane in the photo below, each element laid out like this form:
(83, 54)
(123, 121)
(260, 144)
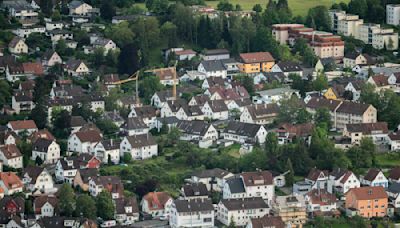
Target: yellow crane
(174, 74)
(133, 77)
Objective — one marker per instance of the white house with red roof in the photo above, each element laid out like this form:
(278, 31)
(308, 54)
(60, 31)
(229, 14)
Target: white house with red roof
(317, 178)
(10, 183)
(157, 204)
(374, 177)
(341, 181)
(321, 202)
(20, 126)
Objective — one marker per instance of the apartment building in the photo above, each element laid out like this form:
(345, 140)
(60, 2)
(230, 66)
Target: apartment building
(292, 210)
(393, 14)
(324, 44)
(351, 25)
(368, 201)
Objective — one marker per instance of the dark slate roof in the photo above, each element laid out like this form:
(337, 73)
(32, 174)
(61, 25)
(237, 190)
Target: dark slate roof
(216, 52)
(352, 55)
(121, 203)
(244, 204)
(138, 141)
(145, 111)
(289, 66)
(316, 103)
(368, 128)
(394, 188)
(243, 129)
(134, 123)
(194, 205)
(213, 65)
(42, 145)
(86, 174)
(196, 127)
(33, 172)
(218, 106)
(195, 189)
(371, 175)
(111, 144)
(353, 108)
(235, 185)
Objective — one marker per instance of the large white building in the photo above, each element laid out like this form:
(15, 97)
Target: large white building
(351, 25)
(139, 146)
(393, 14)
(192, 213)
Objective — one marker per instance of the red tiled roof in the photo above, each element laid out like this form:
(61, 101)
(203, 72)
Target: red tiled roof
(23, 124)
(256, 57)
(33, 68)
(11, 180)
(368, 193)
(156, 200)
(257, 178)
(89, 136)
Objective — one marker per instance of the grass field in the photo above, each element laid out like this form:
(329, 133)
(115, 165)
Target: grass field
(298, 7)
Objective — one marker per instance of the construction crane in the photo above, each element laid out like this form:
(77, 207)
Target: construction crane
(174, 74)
(133, 77)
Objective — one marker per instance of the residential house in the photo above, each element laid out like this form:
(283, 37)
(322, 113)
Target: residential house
(66, 168)
(251, 184)
(374, 177)
(212, 178)
(17, 46)
(11, 156)
(393, 192)
(112, 184)
(22, 11)
(216, 54)
(394, 141)
(382, 82)
(186, 54)
(10, 183)
(275, 95)
(52, 25)
(213, 68)
(241, 211)
(198, 100)
(108, 151)
(213, 82)
(393, 14)
(341, 180)
(135, 126)
(84, 141)
(291, 209)
(215, 110)
(105, 44)
(288, 68)
(38, 180)
(21, 126)
(190, 112)
(197, 131)
(368, 202)
(140, 147)
(166, 77)
(394, 175)
(114, 117)
(82, 178)
(51, 58)
(256, 62)
(244, 132)
(47, 150)
(22, 102)
(46, 206)
(171, 108)
(266, 221)
(76, 68)
(316, 179)
(147, 113)
(190, 213)
(77, 122)
(126, 210)
(194, 191)
(259, 113)
(286, 133)
(352, 59)
(344, 112)
(12, 207)
(320, 202)
(378, 132)
(236, 107)
(157, 204)
(230, 94)
(77, 7)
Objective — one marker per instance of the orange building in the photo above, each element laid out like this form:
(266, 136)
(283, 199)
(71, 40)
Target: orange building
(368, 201)
(256, 62)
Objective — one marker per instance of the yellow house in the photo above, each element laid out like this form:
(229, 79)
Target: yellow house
(256, 62)
(330, 94)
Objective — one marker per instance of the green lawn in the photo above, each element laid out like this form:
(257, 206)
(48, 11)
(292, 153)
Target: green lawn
(388, 160)
(298, 7)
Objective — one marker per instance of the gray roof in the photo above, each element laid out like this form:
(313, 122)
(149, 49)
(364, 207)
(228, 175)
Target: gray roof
(394, 188)
(194, 205)
(134, 123)
(289, 66)
(138, 141)
(195, 189)
(218, 106)
(196, 127)
(42, 145)
(243, 129)
(213, 65)
(236, 185)
(276, 91)
(244, 204)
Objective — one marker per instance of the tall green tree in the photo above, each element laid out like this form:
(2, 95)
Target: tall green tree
(5, 93)
(358, 7)
(39, 115)
(169, 31)
(129, 60)
(290, 176)
(105, 206)
(107, 10)
(86, 207)
(318, 18)
(67, 202)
